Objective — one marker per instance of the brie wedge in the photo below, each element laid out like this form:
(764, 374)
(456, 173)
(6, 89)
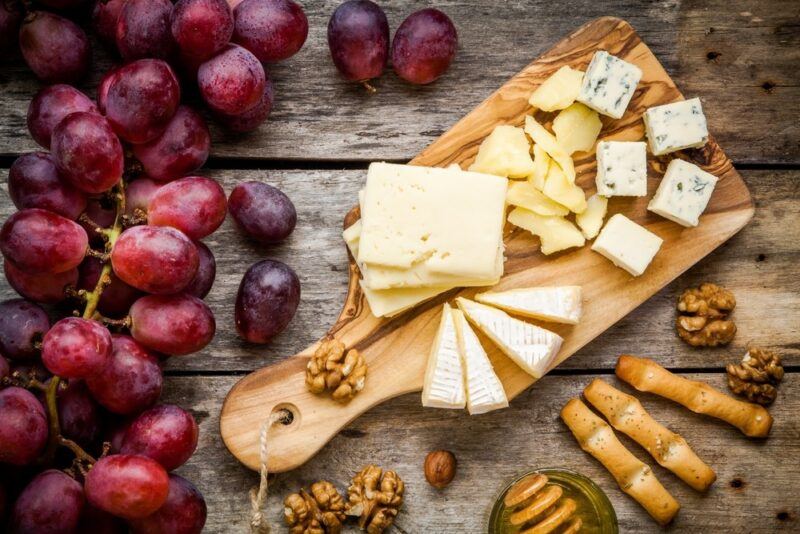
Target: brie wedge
(555, 304)
(444, 376)
(530, 347)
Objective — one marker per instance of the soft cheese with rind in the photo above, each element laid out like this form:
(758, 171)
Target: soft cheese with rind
(558, 304)
(609, 84)
(621, 168)
(684, 193)
(627, 244)
(444, 375)
(676, 126)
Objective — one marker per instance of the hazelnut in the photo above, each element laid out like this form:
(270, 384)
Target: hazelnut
(440, 468)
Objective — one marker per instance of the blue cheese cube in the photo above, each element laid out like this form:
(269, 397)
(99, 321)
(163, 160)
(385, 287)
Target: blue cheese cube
(621, 168)
(684, 193)
(627, 244)
(676, 126)
(609, 84)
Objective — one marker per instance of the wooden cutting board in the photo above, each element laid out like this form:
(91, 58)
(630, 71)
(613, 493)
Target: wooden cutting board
(396, 349)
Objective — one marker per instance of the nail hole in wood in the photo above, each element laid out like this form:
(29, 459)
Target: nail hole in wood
(768, 86)
(782, 516)
(711, 56)
(737, 483)
(761, 257)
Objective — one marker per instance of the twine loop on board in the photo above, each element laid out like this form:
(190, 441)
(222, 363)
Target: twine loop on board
(259, 524)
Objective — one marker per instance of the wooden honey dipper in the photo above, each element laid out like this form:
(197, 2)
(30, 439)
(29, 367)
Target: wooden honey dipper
(537, 503)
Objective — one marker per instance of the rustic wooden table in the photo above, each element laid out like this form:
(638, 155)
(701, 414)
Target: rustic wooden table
(740, 57)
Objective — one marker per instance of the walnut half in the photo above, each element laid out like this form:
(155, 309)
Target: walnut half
(331, 369)
(757, 377)
(375, 497)
(320, 512)
(703, 316)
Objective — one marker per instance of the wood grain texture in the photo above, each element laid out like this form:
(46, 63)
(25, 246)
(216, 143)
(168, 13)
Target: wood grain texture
(396, 349)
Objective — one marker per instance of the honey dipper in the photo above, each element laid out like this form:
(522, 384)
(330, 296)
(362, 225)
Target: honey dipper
(539, 505)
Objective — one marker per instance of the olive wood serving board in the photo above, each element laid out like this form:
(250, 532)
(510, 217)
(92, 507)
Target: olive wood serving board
(397, 349)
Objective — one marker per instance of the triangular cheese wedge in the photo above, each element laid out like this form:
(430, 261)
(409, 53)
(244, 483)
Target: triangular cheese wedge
(444, 377)
(484, 390)
(531, 347)
(556, 304)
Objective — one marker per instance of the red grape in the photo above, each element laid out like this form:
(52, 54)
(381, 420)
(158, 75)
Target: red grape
(165, 433)
(10, 18)
(262, 212)
(155, 259)
(50, 504)
(273, 30)
(33, 182)
(127, 486)
(5, 370)
(117, 297)
(267, 300)
(50, 106)
(181, 149)
(174, 324)
(78, 414)
(252, 118)
(40, 241)
(23, 427)
(62, 5)
(194, 205)
(143, 30)
(23, 324)
(138, 195)
(87, 152)
(233, 81)
(56, 49)
(98, 521)
(358, 38)
(142, 98)
(184, 512)
(131, 380)
(102, 88)
(424, 46)
(43, 288)
(76, 348)
(206, 272)
(105, 15)
(115, 432)
(201, 28)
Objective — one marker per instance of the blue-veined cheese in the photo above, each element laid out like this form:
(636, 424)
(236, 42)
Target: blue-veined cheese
(676, 126)
(621, 168)
(684, 193)
(627, 244)
(609, 84)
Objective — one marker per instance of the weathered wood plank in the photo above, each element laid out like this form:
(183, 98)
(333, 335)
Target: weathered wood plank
(761, 264)
(752, 493)
(319, 116)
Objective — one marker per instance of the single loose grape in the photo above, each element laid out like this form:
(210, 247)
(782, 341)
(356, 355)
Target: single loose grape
(262, 211)
(267, 301)
(424, 46)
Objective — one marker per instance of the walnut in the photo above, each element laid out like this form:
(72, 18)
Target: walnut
(375, 497)
(757, 376)
(703, 316)
(330, 369)
(440, 468)
(321, 512)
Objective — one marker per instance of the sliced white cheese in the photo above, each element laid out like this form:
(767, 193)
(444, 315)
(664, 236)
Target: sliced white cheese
(541, 164)
(621, 168)
(444, 376)
(684, 193)
(627, 244)
(558, 91)
(555, 233)
(352, 234)
(484, 390)
(550, 145)
(676, 126)
(505, 152)
(560, 304)
(591, 220)
(525, 195)
(609, 84)
(577, 128)
(530, 347)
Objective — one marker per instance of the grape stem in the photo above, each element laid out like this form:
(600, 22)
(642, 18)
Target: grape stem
(369, 87)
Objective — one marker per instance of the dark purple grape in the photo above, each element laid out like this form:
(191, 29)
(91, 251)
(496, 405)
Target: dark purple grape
(142, 98)
(96, 521)
(201, 28)
(42, 288)
(62, 5)
(130, 382)
(10, 18)
(273, 30)
(50, 504)
(173, 324)
(33, 182)
(267, 301)
(56, 49)
(424, 46)
(194, 205)
(50, 106)
(105, 15)
(5, 370)
(143, 30)
(165, 433)
(115, 431)
(23, 325)
(184, 512)
(262, 212)
(155, 259)
(358, 38)
(102, 88)
(102, 214)
(252, 118)
(23, 426)
(206, 272)
(117, 297)
(78, 414)
(181, 149)
(233, 81)
(138, 195)
(127, 486)
(87, 152)
(76, 348)
(40, 241)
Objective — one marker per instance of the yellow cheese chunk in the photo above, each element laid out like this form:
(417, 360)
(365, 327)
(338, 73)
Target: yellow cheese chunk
(541, 164)
(577, 128)
(505, 152)
(524, 195)
(558, 91)
(559, 189)
(556, 233)
(550, 144)
(591, 220)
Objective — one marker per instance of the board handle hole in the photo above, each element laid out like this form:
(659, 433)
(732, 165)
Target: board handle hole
(288, 414)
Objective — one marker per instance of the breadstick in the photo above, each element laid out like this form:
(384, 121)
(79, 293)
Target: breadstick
(626, 414)
(633, 476)
(646, 375)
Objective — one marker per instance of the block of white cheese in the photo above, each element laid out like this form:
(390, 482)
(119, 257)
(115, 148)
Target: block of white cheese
(621, 168)
(676, 126)
(558, 304)
(529, 346)
(484, 390)
(448, 219)
(444, 375)
(609, 84)
(684, 193)
(627, 244)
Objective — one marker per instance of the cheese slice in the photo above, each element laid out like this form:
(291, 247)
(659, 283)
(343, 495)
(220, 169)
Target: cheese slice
(444, 376)
(558, 188)
(484, 390)
(549, 143)
(505, 152)
(557, 304)
(525, 195)
(530, 347)
(541, 165)
(591, 220)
